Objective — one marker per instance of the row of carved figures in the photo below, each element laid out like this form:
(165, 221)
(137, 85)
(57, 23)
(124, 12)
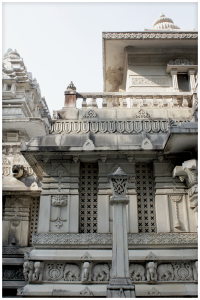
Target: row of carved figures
(90, 272)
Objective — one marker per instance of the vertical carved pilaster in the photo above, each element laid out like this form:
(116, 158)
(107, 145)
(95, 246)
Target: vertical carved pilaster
(191, 73)
(174, 80)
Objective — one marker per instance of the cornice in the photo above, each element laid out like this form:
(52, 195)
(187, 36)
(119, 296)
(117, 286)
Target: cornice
(150, 35)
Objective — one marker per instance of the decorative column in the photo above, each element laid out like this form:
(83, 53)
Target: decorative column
(174, 79)
(120, 285)
(191, 73)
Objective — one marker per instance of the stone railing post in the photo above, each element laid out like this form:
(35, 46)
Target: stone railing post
(120, 285)
(70, 96)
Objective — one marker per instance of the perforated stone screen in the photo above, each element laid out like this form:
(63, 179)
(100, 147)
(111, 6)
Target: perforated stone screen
(88, 197)
(35, 205)
(145, 198)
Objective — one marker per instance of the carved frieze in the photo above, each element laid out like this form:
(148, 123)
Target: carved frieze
(106, 238)
(151, 272)
(150, 35)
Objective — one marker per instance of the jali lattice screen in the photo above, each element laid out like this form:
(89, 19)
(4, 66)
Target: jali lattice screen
(35, 205)
(145, 198)
(88, 197)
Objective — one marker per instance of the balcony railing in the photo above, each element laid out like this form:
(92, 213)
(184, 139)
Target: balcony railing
(132, 100)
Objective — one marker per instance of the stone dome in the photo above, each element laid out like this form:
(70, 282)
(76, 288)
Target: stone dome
(164, 23)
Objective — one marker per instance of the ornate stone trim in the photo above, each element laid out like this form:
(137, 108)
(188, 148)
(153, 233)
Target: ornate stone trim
(121, 126)
(106, 238)
(149, 35)
(15, 250)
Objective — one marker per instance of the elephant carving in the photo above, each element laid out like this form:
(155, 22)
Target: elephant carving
(165, 272)
(137, 272)
(28, 270)
(37, 275)
(71, 273)
(86, 272)
(151, 271)
(101, 272)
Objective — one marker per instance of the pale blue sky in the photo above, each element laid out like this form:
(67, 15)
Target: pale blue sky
(60, 42)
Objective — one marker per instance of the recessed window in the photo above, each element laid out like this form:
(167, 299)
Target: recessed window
(183, 82)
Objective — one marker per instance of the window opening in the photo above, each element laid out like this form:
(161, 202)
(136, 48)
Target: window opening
(183, 82)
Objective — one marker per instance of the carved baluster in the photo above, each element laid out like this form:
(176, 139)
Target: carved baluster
(104, 102)
(124, 101)
(185, 101)
(114, 101)
(165, 104)
(144, 101)
(84, 102)
(175, 102)
(134, 102)
(93, 102)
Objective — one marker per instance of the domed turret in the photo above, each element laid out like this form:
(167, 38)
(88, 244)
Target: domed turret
(164, 23)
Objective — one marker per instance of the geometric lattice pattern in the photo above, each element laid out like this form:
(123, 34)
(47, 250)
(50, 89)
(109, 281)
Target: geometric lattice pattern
(145, 198)
(88, 197)
(33, 225)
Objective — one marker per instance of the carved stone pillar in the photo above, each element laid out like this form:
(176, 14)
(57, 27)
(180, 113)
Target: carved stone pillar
(120, 285)
(191, 73)
(174, 79)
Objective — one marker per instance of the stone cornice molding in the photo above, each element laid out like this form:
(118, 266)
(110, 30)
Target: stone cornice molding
(150, 35)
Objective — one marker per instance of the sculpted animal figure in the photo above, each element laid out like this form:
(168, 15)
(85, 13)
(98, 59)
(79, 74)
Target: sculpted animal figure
(37, 275)
(151, 271)
(165, 272)
(137, 272)
(101, 272)
(71, 273)
(86, 272)
(28, 270)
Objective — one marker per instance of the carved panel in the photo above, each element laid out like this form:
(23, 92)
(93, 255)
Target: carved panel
(101, 272)
(149, 81)
(13, 273)
(137, 272)
(182, 271)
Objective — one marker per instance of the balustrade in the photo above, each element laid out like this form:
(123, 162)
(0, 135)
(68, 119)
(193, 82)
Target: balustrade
(131, 100)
